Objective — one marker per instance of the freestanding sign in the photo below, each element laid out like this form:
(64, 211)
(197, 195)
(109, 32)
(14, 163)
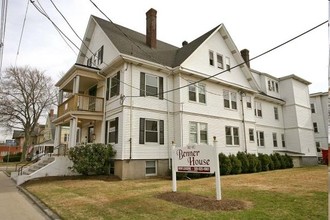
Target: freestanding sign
(196, 159)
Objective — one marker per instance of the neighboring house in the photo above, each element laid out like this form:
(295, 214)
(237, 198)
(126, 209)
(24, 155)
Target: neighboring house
(18, 136)
(319, 109)
(125, 91)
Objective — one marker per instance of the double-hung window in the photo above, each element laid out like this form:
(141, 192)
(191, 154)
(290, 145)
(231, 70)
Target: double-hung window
(111, 131)
(318, 146)
(151, 131)
(257, 110)
(313, 107)
(232, 136)
(315, 127)
(274, 139)
(227, 63)
(197, 93)
(151, 85)
(197, 133)
(283, 140)
(260, 139)
(211, 58)
(113, 86)
(251, 134)
(276, 113)
(219, 61)
(99, 55)
(248, 102)
(229, 99)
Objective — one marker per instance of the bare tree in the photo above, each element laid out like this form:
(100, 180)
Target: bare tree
(24, 94)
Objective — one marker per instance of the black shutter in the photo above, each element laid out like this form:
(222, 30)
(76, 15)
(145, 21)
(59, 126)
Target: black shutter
(101, 55)
(106, 132)
(108, 88)
(161, 132)
(142, 84)
(116, 131)
(118, 83)
(161, 90)
(141, 139)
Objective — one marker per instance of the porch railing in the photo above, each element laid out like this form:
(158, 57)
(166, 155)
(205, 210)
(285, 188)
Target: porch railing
(79, 102)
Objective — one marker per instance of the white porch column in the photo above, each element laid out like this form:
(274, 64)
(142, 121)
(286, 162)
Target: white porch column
(57, 138)
(76, 85)
(73, 132)
(60, 97)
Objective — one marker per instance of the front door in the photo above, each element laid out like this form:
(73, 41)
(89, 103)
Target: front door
(91, 134)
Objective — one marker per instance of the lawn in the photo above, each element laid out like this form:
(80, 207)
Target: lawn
(298, 193)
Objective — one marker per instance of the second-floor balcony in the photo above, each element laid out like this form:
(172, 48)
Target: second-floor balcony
(80, 102)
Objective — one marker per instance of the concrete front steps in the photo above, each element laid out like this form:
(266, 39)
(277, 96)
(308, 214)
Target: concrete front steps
(47, 166)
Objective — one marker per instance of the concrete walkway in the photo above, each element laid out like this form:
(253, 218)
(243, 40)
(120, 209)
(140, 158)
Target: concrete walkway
(14, 205)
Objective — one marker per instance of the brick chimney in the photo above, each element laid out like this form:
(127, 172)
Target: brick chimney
(151, 39)
(246, 57)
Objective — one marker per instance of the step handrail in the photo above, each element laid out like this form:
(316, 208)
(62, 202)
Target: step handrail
(20, 169)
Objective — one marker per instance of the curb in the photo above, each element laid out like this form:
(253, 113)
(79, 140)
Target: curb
(43, 207)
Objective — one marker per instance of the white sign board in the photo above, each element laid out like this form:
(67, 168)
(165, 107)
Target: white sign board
(195, 159)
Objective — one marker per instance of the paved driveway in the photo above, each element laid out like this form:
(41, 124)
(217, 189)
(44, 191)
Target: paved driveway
(14, 205)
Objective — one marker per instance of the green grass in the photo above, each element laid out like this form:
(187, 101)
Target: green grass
(299, 193)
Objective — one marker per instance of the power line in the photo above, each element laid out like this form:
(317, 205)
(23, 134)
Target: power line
(20, 39)
(4, 7)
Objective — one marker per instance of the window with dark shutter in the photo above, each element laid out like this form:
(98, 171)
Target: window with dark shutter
(142, 84)
(141, 136)
(116, 132)
(115, 84)
(161, 95)
(108, 88)
(161, 132)
(106, 132)
(113, 131)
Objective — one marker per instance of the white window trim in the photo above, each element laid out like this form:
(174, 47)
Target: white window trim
(198, 132)
(258, 138)
(256, 108)
(222, 63)
(232, 136)
(275, 139)
(151, 174)
(313, 108)
(211, 57)
(251, 141)
(145, 86)
(145, 131)
(230, 93)
(197, 92)
(276, 113)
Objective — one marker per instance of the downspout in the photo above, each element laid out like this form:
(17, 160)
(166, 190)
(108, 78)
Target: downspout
(243, 120)
(168, 127)
(131, 115)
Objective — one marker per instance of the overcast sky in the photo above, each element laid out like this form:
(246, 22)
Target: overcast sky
(256, 25)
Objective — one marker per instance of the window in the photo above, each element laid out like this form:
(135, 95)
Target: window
(276, 87)
(260, 139)
(197, 93)
(232, 136)
(251, 135)
(151, 85)
(269, 86)
(283, 140)
(211, 58)
(258, 110)
(151, 131)
(318, 146)
(112, 131)
(197, 133)
(313, 107)
(113, 86)
(276, 113)
(66, 137)
(227, 63)
(274, 139)
(89, 61)
(220, 61)
(99, 55)
(248, 102)
(273, 86)
(229, 99)
(315, 127)
(151, 168)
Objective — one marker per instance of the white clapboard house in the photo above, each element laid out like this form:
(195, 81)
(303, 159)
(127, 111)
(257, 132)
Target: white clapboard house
(137, 93)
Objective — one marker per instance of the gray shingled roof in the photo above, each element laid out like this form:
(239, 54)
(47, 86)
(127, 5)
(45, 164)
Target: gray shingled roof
(135, 44)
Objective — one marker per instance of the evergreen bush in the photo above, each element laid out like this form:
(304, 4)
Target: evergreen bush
(264, 161)
(244, 160)
(236, 164)
(253, 163)
(225, 164)
(289, 162)
(91, 159)
(277, 163)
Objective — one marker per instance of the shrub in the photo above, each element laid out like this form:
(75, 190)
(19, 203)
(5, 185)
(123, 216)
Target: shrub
(244, 160)
(236, 164)
(91, 158)
(225, 164)
(271, 163)
(277, 163)
(253, 163)
(12, 157)
(288, 160)
(264, 161)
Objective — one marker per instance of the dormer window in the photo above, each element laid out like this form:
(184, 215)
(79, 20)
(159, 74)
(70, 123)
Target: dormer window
(211, 58)
(227, 63)
(219, 61)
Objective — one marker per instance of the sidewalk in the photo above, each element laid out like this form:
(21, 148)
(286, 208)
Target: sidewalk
(14, 205)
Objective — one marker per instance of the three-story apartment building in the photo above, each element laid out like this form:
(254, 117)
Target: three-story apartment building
(142, 95)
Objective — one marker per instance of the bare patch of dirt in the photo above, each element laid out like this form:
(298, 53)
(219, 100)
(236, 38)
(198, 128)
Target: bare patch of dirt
(203, 203)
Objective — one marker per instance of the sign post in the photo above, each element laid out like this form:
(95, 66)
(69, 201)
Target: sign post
(217, 171)
(173, 169)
